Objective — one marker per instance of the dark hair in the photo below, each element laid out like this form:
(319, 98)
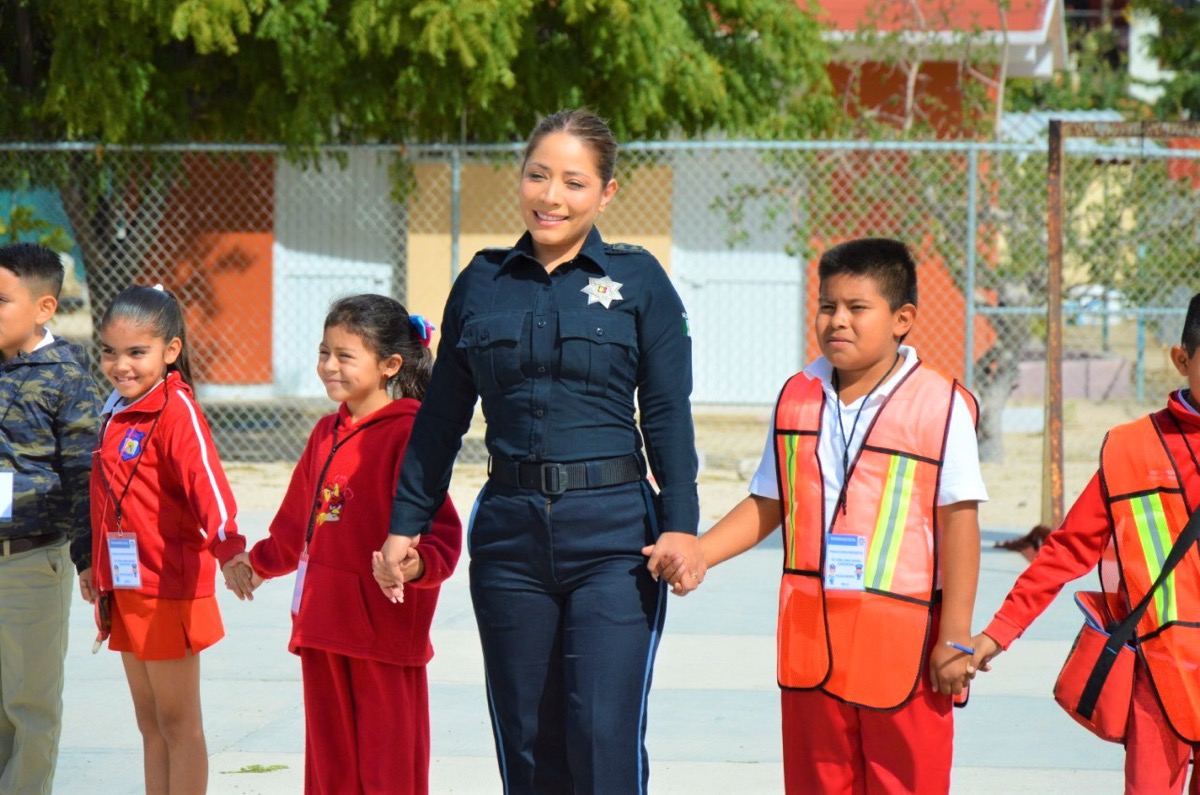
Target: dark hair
(38, 268)
(587, 127)
(888, 262)
(1190, 339)
(158, 311)
(386, 329)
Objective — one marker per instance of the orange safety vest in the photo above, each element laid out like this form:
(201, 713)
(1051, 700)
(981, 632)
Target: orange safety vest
(1149, 509)
(864, 645)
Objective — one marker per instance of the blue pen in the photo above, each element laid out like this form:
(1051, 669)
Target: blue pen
(960, 647)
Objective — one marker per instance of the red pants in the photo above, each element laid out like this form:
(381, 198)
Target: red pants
(1156, 760)
(366, 726)
(832, 748)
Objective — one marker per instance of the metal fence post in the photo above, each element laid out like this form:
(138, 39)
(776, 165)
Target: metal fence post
(1140, 367)
(455, 210)
(969, 288)
(1052, 445)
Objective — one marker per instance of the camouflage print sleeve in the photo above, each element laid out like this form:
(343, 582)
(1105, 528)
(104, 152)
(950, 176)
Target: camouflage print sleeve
(78, 424)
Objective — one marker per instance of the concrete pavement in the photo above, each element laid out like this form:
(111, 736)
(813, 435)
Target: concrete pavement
(714, 712)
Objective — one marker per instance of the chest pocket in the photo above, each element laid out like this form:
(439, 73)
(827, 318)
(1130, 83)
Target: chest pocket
(493, 344)
(599, 351)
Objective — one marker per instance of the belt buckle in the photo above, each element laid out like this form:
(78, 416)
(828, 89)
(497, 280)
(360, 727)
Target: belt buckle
(559, 479)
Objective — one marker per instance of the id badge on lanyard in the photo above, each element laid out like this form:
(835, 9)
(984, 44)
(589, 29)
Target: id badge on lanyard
(845, 558)
(301, 568)
(123, 559)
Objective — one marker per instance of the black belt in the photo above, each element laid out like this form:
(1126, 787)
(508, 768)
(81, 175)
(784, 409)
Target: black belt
(15, 546)
(553, 479)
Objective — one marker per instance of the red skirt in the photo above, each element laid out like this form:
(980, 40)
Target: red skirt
(163, 629)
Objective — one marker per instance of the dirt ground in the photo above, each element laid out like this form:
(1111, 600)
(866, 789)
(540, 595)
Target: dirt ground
(731, 441)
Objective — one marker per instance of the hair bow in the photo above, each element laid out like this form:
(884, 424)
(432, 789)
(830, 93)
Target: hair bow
(422, 328)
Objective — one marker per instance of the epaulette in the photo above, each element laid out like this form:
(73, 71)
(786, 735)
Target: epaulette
(494, 254)
(623, 248)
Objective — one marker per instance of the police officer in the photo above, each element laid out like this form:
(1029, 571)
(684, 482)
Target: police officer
(558, 335)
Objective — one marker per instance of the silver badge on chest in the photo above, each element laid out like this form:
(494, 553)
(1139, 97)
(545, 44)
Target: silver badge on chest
(602, 291)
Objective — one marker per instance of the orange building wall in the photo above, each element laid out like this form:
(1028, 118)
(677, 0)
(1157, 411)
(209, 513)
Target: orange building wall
(216, 235)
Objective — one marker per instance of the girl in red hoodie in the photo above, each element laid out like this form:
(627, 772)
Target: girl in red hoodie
(362, 657)
(161, 512)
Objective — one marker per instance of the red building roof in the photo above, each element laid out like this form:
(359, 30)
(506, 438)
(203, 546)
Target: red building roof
(1032, 31)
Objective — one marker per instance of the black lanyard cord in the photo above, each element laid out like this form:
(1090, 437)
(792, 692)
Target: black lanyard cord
(854, 427)
(117, 501)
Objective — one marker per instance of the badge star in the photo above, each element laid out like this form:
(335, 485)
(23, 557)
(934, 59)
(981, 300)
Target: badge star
(602, 291)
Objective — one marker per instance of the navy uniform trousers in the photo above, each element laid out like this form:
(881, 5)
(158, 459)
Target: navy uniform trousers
(570, 621)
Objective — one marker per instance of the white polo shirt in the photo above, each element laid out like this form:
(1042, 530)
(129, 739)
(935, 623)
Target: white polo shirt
(961, 479)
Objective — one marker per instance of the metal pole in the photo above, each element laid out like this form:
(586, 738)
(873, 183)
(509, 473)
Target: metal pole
(969, 287)
(1140, 377)
(1052, 444)
(455, 210)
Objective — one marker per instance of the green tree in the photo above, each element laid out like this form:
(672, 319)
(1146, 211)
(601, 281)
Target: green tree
(1175, 47)
(304, 73)
(310, 72)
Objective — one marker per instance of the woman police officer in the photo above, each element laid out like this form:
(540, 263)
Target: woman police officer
(557, 335)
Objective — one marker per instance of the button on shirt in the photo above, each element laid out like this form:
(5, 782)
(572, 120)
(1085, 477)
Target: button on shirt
(557, 359)
(960, 479)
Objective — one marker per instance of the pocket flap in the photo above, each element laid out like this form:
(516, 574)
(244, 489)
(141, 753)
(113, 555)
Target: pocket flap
(485, 330)
(599, 327)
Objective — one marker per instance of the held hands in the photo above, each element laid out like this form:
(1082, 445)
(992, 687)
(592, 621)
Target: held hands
(240, 576)
(87, 585)
(950, 669)
(395, 564)
(986, 649)
(678, 559)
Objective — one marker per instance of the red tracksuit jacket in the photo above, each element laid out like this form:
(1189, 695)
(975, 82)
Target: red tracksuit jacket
(342, 490)
(1075, 548)
(156, 460)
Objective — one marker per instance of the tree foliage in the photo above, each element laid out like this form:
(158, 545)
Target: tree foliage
(309, 72)
(1177, 51)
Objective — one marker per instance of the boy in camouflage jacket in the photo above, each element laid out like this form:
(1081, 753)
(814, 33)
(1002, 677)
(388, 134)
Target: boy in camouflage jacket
(49, 421)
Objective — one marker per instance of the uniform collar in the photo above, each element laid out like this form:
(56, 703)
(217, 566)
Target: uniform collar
(47, 340)
(152, 401)
(592, 253)
(399, 407)
(822, 369)
(1182, 409)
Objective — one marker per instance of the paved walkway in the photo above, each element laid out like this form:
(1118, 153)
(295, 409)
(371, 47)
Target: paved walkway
(714, 712)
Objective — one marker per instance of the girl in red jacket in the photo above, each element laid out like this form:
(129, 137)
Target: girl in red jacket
(362, 657)
(161, 512)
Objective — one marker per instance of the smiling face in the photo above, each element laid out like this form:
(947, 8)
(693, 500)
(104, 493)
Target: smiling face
(133, 358)
(856, 328)
(22, 315)
(562, 192)
(353, 374)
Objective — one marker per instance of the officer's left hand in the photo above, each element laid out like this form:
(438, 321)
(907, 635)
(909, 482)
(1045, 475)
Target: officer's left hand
(678, 558)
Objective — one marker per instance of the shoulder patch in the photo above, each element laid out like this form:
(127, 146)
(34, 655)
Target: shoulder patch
(623, 248)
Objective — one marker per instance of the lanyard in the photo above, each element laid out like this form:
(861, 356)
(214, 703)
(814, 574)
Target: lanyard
(145, 443)
(854, 427)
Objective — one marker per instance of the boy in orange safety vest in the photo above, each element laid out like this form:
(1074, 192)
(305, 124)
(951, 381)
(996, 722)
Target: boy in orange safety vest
(1127, 519)
(872, 468)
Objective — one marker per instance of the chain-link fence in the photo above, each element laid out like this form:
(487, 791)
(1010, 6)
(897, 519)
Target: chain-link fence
(256, 245)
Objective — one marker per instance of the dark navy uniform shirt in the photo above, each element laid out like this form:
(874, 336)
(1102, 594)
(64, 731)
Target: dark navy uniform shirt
(557, 359)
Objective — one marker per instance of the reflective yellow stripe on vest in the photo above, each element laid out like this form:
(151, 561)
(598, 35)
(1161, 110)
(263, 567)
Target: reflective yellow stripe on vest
(1155, 538)
(889, 527)
(788, 471)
